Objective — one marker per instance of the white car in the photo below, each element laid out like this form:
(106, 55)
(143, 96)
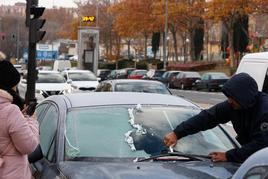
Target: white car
(81, 80)
(48, 83)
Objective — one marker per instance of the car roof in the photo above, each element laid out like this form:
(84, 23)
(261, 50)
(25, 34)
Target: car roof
(262, 56)
(122, 98)
(48, 71)
(80, 71)
(132, 81)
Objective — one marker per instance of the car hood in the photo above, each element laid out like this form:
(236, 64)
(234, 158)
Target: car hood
(86, 84)
(52, 86)
(194, 169)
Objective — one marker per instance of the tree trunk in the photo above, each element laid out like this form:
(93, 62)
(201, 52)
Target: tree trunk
(128, 49)
(175, 44)
(231, 46)
(145, 46)
(192, 46)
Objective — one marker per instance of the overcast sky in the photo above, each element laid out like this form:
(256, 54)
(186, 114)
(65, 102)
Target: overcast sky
(45, 3)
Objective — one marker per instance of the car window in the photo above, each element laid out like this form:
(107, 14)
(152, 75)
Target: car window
(134, 132)
(205, 77)
(260, 172)
(77, 76)
(219, 76)
(40, 109)
(50, 78)
(48, 128)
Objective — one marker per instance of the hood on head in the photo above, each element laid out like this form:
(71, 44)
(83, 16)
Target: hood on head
(242, 88)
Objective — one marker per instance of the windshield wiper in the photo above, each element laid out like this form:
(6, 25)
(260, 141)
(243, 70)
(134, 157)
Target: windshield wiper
(190, 157)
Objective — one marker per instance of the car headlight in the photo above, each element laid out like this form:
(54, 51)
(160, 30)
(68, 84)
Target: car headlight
(66, 91)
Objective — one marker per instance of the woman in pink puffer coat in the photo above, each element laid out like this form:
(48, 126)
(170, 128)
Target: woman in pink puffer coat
(19, 135)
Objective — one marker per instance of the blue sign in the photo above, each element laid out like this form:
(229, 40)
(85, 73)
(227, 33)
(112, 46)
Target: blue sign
(42, 55)
(46, 55)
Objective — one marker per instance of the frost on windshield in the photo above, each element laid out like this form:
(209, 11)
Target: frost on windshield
(71, 150)
(138, 129)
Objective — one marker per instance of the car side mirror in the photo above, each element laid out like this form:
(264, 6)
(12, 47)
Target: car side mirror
(99, 79)
(36, 155)
(69, 81)
(197, 81)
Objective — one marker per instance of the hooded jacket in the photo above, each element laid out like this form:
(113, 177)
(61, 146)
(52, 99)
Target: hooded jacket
(19, 136)
(250, 122)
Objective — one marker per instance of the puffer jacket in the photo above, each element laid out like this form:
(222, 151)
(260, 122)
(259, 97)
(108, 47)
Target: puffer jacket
(18, 134)
(250, 122)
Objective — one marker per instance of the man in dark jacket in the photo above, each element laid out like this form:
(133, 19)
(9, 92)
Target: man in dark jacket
(246, 108)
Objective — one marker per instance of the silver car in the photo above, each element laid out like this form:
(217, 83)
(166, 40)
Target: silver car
(119, 135)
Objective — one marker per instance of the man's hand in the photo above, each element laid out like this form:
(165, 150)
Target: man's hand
(218, 157)
(170, 139)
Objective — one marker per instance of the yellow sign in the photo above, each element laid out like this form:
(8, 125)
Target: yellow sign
(88, 18)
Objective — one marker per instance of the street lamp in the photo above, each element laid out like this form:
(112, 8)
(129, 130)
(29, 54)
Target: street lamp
(165, 36)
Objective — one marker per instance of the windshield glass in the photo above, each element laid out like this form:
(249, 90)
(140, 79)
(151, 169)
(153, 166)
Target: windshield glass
(136, 131)
(50, 78)
(219, 76)
(78, 76)
(142, 87)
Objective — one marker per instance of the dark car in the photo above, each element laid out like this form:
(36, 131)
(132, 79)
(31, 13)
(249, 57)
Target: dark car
(112, 75)
(169, 77)
(185, 79)
(119, 135)
(255, 167)
(137, 74)
(103, 74)
(131, 85)
(154, 75)
(124, 73)
(211, 81)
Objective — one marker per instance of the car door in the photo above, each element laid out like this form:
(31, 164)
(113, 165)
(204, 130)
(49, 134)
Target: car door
(48, 115)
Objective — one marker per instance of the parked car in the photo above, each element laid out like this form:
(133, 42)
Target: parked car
(185, 79)
(169, 77)
(137, 74)
(255, 167)
(256, 65)
(124, 73)
(128, 85)
(112, 75)
(154, 75)
(48, 83)
(213, 81)
(81, 80)
(103, 74)
(119, 135)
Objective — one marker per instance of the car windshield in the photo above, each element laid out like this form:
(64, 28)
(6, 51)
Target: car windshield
(142, 87)
(50, 78)
(134, 131)
(78, 76)
(219, 76)
(158, 73)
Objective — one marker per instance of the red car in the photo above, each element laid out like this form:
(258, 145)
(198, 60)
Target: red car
(186, 79)
(137, 74)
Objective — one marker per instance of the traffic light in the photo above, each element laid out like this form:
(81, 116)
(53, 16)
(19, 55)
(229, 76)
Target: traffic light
(29, 4)
(36, 24)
